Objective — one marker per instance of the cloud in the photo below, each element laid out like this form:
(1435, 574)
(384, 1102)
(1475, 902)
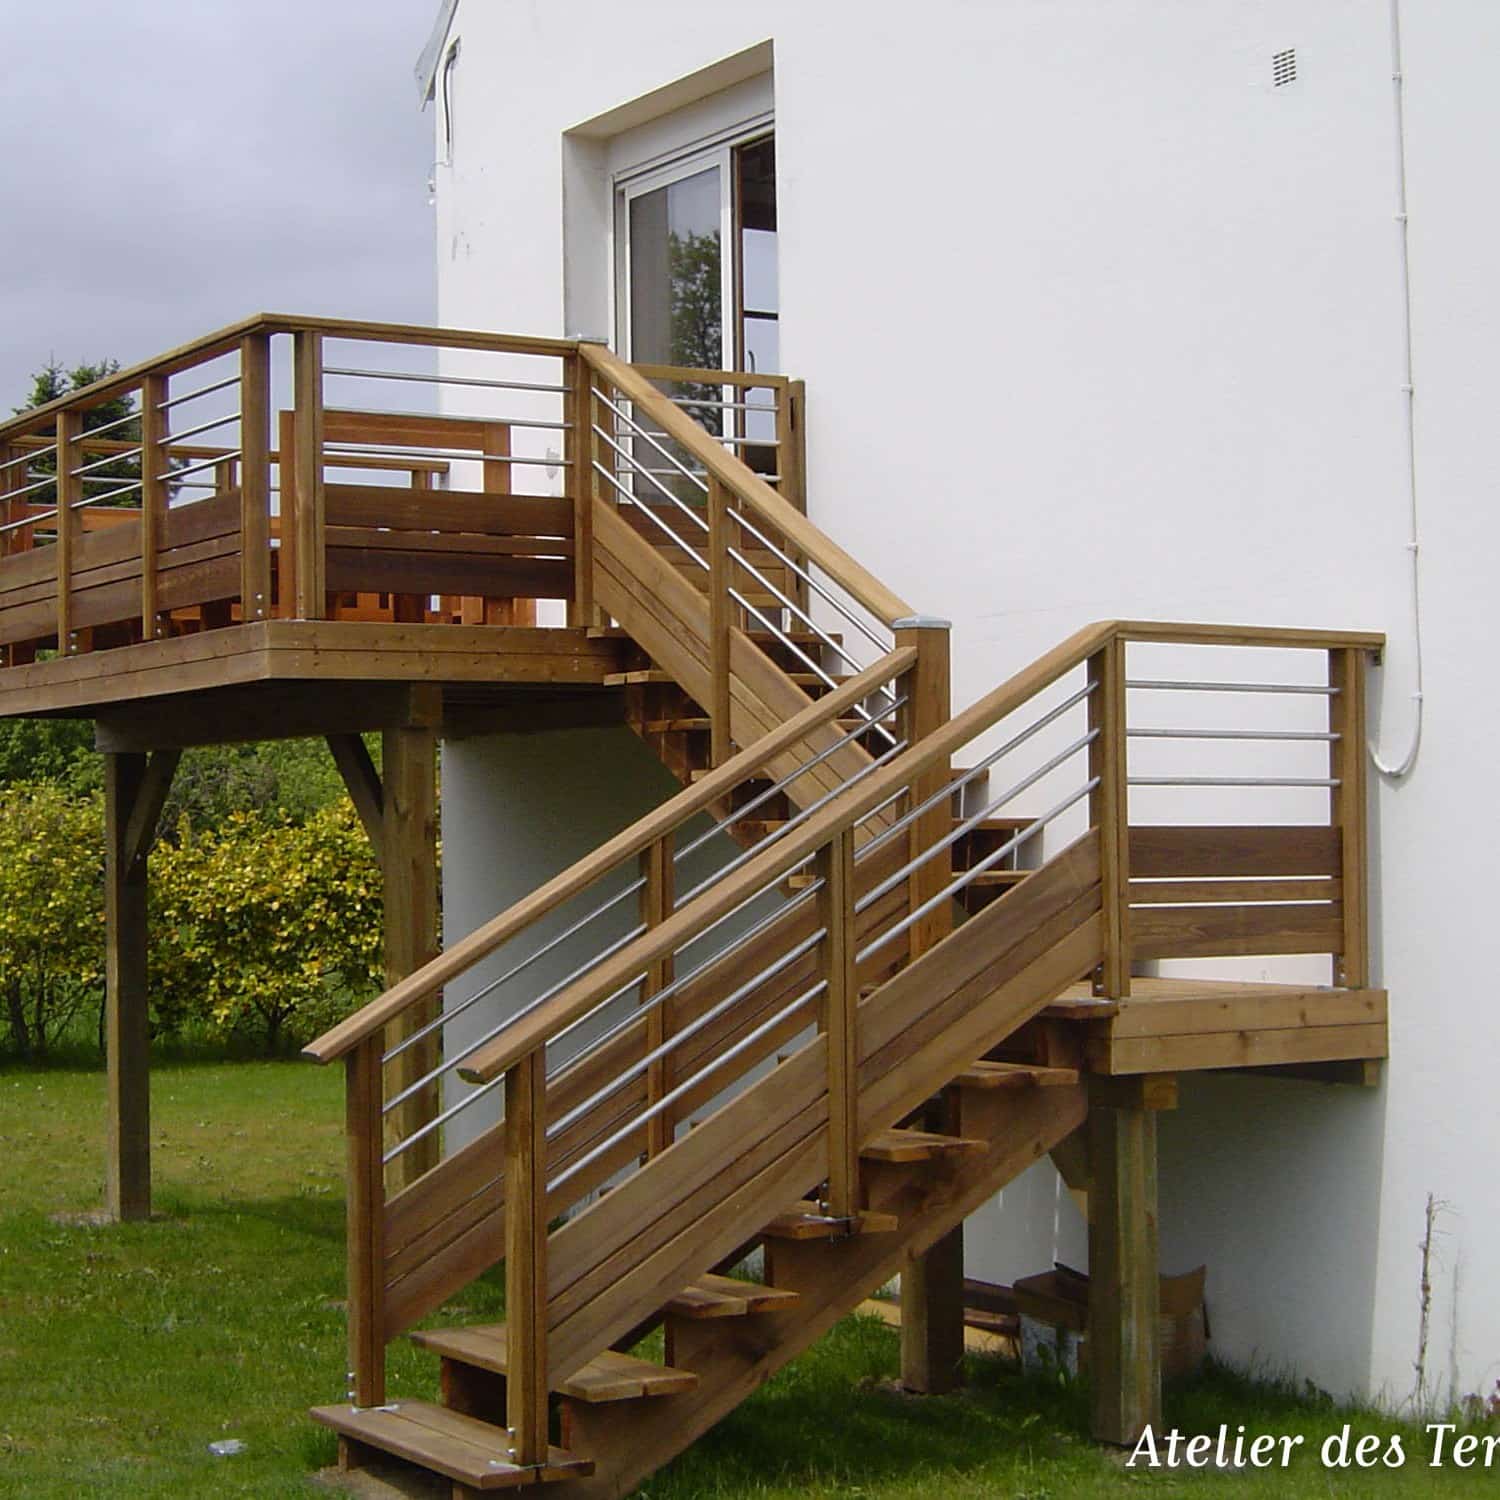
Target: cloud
(169, 169)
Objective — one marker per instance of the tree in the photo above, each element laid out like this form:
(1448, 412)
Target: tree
(118, 414)
(51, 912)
(58, 751)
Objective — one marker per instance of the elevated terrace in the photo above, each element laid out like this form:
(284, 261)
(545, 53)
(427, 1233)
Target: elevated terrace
(288, 533)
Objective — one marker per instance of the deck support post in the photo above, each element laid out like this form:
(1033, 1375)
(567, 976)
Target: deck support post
(932, 1300)
(408, 853)
(135, 788)
(932, 1317)
(1124, 1285)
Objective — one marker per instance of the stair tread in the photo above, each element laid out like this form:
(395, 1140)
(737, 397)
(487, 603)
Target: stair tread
(806, 1220)
(996, 877)
(609, 1376)
(464, 1448)
(713, 1296)
(915, 1145)
(1007, 1075)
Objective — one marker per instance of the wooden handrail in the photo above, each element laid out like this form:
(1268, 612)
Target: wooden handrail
(1172, 633)
(749, 380)
(748, 488)
(781, 858)
(534, 1030)
(483, 941)
(227, 340)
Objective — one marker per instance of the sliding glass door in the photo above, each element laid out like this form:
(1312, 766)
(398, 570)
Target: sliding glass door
(696, 279)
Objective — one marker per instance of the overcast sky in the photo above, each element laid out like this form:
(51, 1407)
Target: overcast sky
(167, 168)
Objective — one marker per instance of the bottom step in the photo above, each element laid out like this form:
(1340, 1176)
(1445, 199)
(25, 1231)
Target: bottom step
(463, 1448)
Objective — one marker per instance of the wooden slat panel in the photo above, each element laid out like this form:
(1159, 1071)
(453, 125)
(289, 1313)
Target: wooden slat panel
(1189, 853)
(447, 1227)
(28, 622)
(186, 576)
(467, 542)
(402, 429)
(1248, 1007)
(1184, 892)
(21, 569)
(448, 510)
(1239, 1049)
(692, 1230)
(352, 569)
(1226, 931)
(218, 516)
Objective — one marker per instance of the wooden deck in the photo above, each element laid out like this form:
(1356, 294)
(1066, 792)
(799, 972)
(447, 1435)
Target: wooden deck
(263, 670)
(1193, 1025)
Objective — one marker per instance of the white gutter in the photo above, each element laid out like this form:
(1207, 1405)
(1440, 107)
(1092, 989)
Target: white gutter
(432, 54)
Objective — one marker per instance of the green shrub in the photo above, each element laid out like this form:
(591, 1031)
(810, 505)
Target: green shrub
(266, 929)
(51, 912)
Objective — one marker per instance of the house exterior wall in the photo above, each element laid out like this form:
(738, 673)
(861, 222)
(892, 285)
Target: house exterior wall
(1097, 323)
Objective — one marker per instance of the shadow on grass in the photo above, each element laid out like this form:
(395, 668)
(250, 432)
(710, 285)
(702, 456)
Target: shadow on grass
(837, 1416)
(302, 1214)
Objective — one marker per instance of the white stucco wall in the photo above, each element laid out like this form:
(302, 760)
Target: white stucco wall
(1115, 329)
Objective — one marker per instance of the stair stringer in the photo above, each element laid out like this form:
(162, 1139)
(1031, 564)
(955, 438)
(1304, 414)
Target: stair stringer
(732, 1357)
(669, 620)
(622, 1258)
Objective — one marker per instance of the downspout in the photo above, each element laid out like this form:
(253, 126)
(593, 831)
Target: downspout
(1400, 768)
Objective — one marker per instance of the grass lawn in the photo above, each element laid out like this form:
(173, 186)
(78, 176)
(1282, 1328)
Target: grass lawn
(126, 1351)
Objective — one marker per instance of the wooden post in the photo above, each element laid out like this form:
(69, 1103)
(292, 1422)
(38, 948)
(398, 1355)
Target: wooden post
(835, 865)
(286, 515)
(1349, 810)
(127, 1177)
(657, 898)
(498, 480)
(408, 850)
(579, 446)
(926, 688)
(255, 477)
(13, 476)
(931, 1283)
(791, 463)
(1124, 1289)
(154, 494)
(366, 1223)
(932, 1317)
(135, 790)
(1109, 813)
(69, 488)
(526, 1256)
(719, 619)
(307, 369)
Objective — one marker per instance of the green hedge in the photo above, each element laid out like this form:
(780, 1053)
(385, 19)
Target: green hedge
(263, 927)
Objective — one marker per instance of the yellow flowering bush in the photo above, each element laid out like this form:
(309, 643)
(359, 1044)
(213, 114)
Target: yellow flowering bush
(51, 912)
(263, 927)
(266, 928)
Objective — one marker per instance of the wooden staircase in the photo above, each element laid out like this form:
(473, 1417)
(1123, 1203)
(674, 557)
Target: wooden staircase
(877, 921)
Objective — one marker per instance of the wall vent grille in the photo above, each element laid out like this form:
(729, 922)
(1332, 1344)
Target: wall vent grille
(1283, 67)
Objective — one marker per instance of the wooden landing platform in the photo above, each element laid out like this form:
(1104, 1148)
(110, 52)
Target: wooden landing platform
(1189, 1025)
(296, 663)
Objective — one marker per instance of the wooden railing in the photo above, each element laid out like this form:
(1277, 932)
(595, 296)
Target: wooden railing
(217, 494)
(670, 1014)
